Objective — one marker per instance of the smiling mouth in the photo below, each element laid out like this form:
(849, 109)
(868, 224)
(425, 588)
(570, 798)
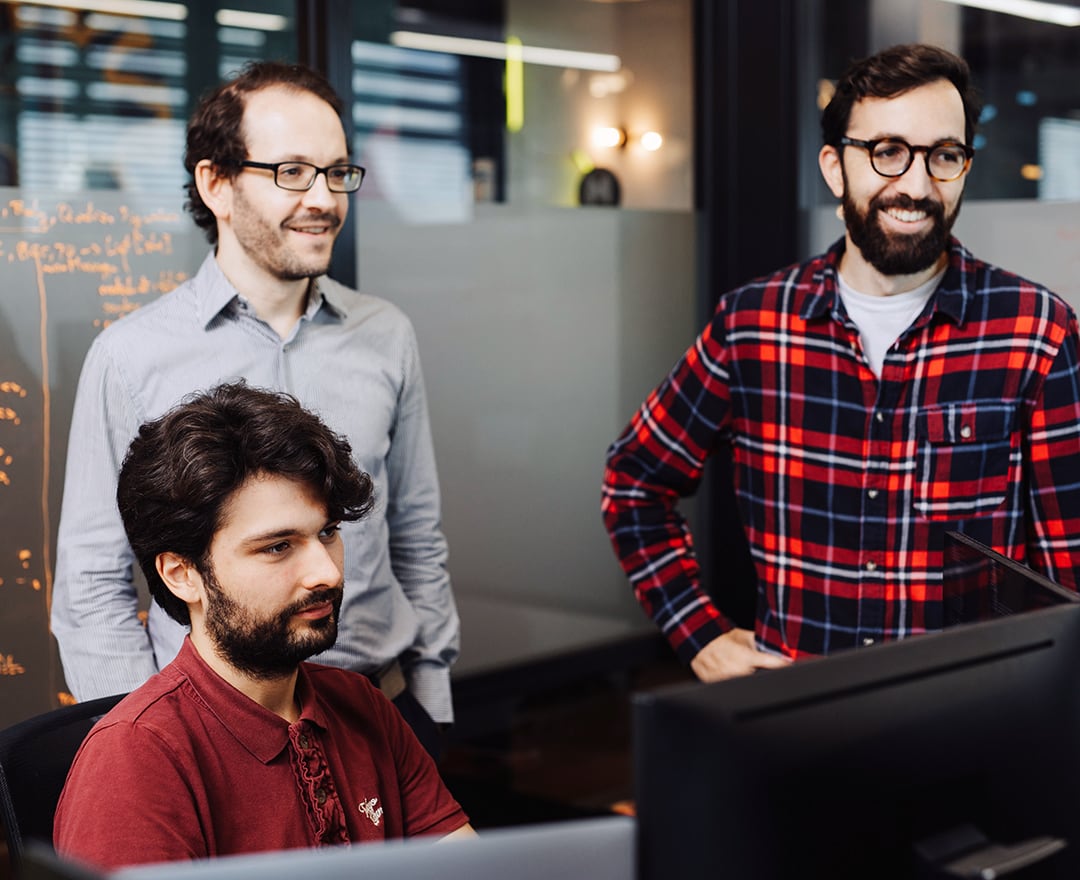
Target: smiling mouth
(905, 216)
(905, 210)
(321, 225)
(312, 230)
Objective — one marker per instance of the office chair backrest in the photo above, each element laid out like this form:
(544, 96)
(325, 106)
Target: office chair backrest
(35, 756)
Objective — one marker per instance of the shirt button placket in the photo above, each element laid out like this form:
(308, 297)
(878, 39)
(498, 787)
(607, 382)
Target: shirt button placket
(871, 612)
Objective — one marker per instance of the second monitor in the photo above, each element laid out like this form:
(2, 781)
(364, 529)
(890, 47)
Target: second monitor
(943, 755)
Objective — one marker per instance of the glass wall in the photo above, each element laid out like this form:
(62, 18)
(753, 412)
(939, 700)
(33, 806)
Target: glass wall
(96, 92)
(530, 208)
(1029, 77)
(452, 107)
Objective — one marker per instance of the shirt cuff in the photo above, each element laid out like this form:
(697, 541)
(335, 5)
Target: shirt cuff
(688, 645)
(430, 684)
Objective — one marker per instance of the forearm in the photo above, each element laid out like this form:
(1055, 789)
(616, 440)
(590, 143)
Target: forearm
(659, 459)
(654, 546)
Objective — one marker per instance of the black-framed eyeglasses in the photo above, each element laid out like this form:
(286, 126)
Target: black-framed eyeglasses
(892, 157)
(300, 176)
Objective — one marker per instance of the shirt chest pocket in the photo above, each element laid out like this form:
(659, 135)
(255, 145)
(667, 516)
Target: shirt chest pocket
(964, 456)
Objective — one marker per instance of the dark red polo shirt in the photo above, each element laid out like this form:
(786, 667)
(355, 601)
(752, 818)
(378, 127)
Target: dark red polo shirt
(188, 767)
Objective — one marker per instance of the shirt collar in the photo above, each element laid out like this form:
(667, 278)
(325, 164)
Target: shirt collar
(952, 297)
(215, 294)
(256, 728)
(957, 289)
(326, 291)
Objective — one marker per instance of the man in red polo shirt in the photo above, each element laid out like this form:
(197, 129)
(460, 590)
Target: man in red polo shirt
(232, 503)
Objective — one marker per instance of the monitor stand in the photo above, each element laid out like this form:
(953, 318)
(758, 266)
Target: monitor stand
(966, 852)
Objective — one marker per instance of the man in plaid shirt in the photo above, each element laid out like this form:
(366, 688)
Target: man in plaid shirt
(872, 398)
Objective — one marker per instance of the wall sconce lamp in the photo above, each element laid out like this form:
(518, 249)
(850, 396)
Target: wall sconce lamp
(651, 141)
(611, 137)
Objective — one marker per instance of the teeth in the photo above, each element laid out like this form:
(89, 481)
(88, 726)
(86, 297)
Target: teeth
(906, 216)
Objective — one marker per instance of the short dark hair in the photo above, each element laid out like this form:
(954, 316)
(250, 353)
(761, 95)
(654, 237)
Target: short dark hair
(215, 130)
(892, 72)
(181, 469)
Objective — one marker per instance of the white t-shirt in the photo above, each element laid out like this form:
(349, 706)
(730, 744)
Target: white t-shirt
(881, 319)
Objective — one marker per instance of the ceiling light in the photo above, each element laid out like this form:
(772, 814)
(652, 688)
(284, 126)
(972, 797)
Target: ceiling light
(139, 8)
(255, 21)
(1054, 13)
(494, 49)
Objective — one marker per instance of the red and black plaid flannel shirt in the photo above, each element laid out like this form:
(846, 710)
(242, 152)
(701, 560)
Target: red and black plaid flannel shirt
(847, 483)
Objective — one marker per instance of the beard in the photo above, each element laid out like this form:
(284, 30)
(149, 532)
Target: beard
(268, 648)
(268, 247)
(898, 253)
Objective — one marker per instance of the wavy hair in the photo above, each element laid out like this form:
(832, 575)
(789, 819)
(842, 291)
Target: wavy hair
(892, 72)
(181, 470)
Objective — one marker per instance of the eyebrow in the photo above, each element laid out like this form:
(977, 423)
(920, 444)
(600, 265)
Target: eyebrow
(281, 534)
(271, 536)
(296, 157)
(949, 138)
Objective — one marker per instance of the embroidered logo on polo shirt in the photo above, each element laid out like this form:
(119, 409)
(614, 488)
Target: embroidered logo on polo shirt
(372, 810)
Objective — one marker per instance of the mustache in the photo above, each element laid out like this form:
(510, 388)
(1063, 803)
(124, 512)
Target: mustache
(907, 203)
(318, 597)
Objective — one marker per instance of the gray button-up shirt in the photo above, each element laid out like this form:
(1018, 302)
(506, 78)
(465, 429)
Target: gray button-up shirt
(353, 360)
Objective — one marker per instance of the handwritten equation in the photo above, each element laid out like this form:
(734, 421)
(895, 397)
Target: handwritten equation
(109, 257)
(71, 267)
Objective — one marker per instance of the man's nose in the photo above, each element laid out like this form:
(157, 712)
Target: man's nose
(322, 568)
(916, 181)
(320, 194)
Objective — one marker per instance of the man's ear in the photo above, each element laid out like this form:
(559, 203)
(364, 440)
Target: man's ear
(214, 188)
(829, 161)
(180, 576)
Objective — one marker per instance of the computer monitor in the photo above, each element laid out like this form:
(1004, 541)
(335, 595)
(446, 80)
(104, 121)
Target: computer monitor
(599, 848)
(937, 756)
(980, 584)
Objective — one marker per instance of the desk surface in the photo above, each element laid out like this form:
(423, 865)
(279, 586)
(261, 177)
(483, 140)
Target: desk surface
(498, 633)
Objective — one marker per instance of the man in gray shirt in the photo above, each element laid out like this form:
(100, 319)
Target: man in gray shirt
(270, 184)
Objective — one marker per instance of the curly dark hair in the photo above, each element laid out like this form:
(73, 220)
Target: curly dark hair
(215, 130)
(892, 72)
(181, 470)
